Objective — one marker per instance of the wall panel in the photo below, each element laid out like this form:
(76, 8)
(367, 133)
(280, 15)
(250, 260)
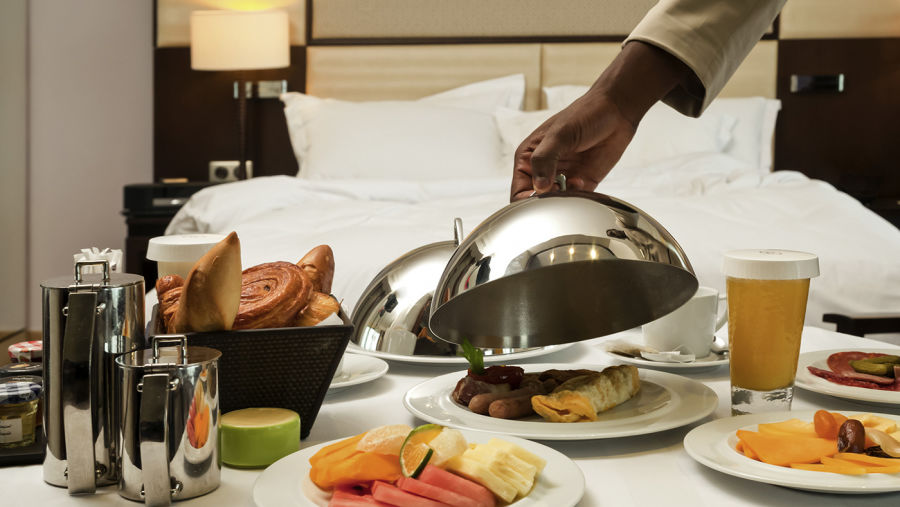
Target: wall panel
(840, 19)
(343, 19)
(407, 72)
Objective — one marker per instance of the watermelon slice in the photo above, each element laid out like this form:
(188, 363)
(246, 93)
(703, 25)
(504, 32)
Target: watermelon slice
(445, 480)
(345, 498)
(392, 495)
(446, 496)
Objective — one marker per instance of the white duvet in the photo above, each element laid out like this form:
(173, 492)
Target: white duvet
(707, 201)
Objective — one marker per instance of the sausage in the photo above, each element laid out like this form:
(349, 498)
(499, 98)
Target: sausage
(480, 404)
(511, 408)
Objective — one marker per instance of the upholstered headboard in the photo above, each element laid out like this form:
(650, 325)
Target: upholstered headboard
(404, 49)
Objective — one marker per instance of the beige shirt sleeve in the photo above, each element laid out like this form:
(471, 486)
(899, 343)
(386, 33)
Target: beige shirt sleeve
(711, 36)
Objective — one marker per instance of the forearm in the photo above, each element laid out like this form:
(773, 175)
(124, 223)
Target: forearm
(641, 75)
(711, 37)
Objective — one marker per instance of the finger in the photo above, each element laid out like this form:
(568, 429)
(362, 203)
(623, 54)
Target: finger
(521, 186)
(544, 162)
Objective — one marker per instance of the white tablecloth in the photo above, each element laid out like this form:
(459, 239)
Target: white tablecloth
(648, 470)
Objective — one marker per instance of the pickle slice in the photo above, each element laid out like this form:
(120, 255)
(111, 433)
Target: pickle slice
(865, 366)
(883, 359)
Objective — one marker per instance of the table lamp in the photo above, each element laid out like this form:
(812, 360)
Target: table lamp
(240, 41)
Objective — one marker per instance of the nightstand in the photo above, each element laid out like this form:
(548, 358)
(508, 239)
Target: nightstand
(149, 207)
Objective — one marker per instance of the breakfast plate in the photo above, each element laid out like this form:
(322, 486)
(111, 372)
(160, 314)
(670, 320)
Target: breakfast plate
(560, 484)
(665, 401)
(810, 382)
(358, 369)
(713, 445)
(488, 357)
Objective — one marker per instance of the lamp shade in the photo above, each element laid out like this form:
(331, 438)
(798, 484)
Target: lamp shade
(239, 40)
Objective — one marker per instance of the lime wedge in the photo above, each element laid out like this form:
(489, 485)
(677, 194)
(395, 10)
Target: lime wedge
(415, 452)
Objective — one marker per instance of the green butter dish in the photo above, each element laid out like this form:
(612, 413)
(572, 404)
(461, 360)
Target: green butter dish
(258, 437)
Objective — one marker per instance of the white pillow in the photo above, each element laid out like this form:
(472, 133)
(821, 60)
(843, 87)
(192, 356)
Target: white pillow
(448, 135)
(662, 134)
(752, 134)
(514, 126)
(755, 129)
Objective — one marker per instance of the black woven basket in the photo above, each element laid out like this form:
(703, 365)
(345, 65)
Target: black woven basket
(289, 367)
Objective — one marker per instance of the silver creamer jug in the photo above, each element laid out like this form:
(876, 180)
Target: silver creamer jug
(170, 421)
(87, 322)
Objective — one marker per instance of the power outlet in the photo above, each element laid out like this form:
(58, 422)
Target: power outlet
(227, 170)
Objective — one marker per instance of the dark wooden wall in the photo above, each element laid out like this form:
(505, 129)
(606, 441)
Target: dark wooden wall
(196, 118)
(850, 139)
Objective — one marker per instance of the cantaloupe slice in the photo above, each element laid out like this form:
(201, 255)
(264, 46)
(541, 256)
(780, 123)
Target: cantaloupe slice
(789, 427)
(865, 459)
(789, 449)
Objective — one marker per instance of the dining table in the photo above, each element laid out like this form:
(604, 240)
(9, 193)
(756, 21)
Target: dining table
(652, 469)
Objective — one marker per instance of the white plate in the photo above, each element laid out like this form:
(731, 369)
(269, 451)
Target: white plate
(713, 444)
(818, 359)
(708, 362)
(499, 358)
(665, 401)
(358, 369)
(561, 484)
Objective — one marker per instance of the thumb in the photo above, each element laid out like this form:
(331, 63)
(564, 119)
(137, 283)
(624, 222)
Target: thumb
(544, 161)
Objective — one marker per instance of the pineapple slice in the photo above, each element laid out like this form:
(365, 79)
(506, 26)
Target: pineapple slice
(520, 453)
(480, 473)
(512, 469)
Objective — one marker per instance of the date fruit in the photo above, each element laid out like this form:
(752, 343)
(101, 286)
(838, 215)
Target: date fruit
(851, 436)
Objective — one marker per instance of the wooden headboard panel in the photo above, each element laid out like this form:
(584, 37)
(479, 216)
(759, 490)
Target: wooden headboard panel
(390, 49)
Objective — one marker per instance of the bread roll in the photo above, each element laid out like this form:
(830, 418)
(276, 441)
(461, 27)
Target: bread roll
(211, 294)
(320, 306)
(319, 266)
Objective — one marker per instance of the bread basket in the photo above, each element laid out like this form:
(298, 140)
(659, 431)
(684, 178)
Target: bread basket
(289, 367)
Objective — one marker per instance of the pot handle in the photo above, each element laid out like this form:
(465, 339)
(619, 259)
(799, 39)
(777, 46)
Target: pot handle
(78, 345)
(154, 434)
(457, 231)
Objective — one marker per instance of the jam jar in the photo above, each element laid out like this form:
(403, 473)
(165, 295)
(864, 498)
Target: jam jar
(18, 411)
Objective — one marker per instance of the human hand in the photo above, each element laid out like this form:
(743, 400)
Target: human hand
(583, 141)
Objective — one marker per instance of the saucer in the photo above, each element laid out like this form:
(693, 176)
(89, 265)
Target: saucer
(713, 360)
(358, 369)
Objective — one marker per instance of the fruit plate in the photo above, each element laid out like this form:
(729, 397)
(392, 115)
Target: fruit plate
(819, 358)
(665, 401)
(713, 445)
(561, 484)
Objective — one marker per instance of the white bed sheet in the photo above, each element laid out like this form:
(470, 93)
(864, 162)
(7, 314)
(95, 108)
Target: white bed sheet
(709, 202)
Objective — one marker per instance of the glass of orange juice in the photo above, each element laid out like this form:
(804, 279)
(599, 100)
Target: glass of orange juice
(767, 292)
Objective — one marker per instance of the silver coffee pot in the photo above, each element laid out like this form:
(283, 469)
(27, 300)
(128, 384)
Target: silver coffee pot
(87, 322)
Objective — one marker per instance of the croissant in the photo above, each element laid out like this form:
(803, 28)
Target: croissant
(168, 291)
(320, 306)
(318, 263)
(272, 294)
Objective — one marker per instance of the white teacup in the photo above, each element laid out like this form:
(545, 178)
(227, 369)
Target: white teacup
(691, 327)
